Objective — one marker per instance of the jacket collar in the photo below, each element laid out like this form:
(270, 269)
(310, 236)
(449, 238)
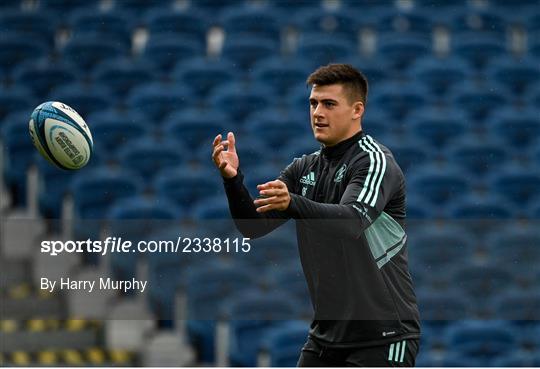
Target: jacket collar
(337, 151)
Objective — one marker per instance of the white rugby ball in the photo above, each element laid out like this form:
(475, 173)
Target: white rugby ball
(61, 135)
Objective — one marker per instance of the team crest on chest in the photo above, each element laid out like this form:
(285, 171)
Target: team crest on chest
(340, 173)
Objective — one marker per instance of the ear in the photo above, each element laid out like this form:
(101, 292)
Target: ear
(358, 110)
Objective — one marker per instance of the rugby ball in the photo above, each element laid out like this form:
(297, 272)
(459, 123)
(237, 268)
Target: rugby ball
(61, 135)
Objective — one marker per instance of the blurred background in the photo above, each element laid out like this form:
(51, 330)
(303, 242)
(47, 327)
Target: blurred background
(454, 93)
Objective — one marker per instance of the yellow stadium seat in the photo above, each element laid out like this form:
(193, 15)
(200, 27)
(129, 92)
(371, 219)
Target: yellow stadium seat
(36, 325)
(8, 325)
(96, 356)
(47, 358)
(20, 292)
(20, 358)
(72, 357)
(120, 356)
(75, 324)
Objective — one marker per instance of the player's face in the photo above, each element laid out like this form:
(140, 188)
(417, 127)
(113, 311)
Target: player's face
(333, 117)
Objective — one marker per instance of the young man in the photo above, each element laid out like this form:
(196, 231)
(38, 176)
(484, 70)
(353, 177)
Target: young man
(348, 200)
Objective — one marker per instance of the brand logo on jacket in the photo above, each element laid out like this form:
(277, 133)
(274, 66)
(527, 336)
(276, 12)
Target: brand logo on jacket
(340, 173)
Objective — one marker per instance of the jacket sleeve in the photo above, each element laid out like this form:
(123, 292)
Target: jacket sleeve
(372, 183)
(250, 223)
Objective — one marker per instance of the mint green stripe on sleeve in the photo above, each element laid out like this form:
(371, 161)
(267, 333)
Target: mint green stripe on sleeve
(391, 352)
(402, 351)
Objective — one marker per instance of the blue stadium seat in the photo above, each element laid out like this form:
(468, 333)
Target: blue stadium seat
(276, 249)
(298, 147)
(518, 305)
(86, 51)
(96, 190)
(16, 49)
(337, 23)
(263, 23)
(68, 6)
(246, 51)
(194, 127)
(482, 208)
(282, 74)
(439, 74)
(238, 100)
(85, 99)
(10, 4)
(404, 21)
(439, 184)
(115, 129)
(110, 25)
(165, 50)
(204, 74)
(516, 73)
(138, 6)
(478, 48)
(284, 343)
(438, 127)
(19, 154)
(322, 49)
(519, 185)
(252, 151)
(377, 123)
(403, 49)
(148, 156)
(260, 175)
(217, 5)
(479, 155)
(156, 100)
(190, 24)
(397, 99)
(479, 99)
(441, 307)
(122, 75)
(515, 359)
(213, 218)
(42, 75)
(185, 188)
(409, 154)
(15, 99)
(298, 99)
(479, 21)
(30, 25)
(518, 127)
(481, 282)
(375, 69)
(481, 339)
(419, 208)
(252, 314)
(294, 6)
(277, 131)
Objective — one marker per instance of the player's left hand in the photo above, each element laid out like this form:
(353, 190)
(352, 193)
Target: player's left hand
(275, 196)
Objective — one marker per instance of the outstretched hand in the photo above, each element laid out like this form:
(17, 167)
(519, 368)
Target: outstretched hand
(275, 196)
(225, 160)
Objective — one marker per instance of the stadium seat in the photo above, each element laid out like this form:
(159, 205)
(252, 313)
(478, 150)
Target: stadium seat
(479, 21)
(263, 23)
(281, 74)
(185, 188)
(481, 282)
(322, 49)
(298, 147)
(260, 175)
(521, 306)
(294, 6)
(399, 99)
(217, 5)
(479, 99)
(276, 249)
(15, 99)
(517, 184)
(441, 307)
(277, 131)
(165, 50)
(110, 25)
(148, 156)
(439, 74)
(482, 208)
(439, 184)
(516, 73)
(85, 99)
(122, 75)
(252, 151)
(190, 24)
(156, 100)
(481, 339)
(16, 49)
(194, 127)
(212, 216)
(203, 75)
(478, 48)
(30, 25)
(252, 314)
(337, 23)
(518, 127)
(479, 155)
(96, 190)
(375, 69)
(10, 4)
(403, 49)
(377, 123)
(409, 154)
(85, 51)
(139, 6)
(238, 100)
(18, 154)
(246, 51)
(67, 6)
(298, 99)
(40, 76)
(283, 344)
(438, 127)
(115, 129)
(404, 21)
(418, 208)
(515, 359)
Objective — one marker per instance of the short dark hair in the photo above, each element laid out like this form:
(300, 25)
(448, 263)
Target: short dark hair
(353, 81)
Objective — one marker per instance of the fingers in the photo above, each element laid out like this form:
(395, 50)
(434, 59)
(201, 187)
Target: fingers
(272, 184)
(232, 142)
(271, 192)
(265, 200)
(217, 140)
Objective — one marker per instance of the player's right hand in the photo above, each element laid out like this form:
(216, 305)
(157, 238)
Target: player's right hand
(225, 160)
